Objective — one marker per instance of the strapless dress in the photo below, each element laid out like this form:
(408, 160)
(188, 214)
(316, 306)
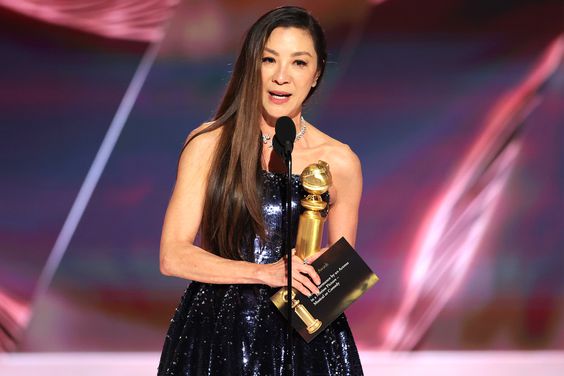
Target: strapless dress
(234, 329)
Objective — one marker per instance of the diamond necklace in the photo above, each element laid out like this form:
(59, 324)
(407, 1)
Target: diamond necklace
(268, 139)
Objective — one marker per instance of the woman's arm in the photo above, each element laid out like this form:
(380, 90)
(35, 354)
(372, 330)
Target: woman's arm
(347, 190)
(180, 257)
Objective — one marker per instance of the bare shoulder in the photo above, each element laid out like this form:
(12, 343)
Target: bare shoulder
(344, 164)
(199, 147)
(342, 160)
(202, 137)
(202, 140)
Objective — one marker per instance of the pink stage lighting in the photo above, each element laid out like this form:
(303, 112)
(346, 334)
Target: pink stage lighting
(137, 20)
(458, 221)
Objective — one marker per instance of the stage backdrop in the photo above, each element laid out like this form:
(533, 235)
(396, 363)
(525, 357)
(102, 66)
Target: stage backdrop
(454, 108)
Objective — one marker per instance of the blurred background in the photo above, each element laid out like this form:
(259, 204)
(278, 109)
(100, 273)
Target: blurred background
(455, 109)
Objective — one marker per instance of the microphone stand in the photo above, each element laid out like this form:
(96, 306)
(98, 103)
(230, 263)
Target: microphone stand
(288, 250)
(283, 143)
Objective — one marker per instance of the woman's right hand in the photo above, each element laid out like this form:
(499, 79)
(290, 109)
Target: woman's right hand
(304, 277)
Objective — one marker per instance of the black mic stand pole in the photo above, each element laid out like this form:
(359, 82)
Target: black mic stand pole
(288, 246)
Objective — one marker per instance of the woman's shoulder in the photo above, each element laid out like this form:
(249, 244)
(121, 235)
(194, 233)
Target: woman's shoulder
(200, 145)
(343, 163)
(205, 135)
(340, 157)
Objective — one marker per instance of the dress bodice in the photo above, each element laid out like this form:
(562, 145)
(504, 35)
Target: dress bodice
(274, 214)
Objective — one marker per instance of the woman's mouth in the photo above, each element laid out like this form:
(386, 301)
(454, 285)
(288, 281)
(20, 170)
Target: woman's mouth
(279, 97)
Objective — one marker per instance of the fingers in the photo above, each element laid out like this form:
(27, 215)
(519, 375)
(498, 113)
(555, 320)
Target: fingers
(304, 285)
(305, 268)
(306, 276)
(310, 270)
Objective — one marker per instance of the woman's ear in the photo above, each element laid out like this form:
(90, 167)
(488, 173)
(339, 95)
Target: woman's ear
(315, 80)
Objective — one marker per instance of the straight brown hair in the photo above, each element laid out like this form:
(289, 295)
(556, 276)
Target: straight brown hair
(232, 214)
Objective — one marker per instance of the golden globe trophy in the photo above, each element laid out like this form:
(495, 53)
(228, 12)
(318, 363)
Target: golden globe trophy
(316, 180)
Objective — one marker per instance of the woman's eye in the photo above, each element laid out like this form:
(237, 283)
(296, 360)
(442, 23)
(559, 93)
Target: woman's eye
(301, 63)
(267, 60)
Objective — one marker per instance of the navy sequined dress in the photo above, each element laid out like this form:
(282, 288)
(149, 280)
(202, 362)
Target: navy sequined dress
(236, 329)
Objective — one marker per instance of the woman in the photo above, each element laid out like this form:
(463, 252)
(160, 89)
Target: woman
(230, 189)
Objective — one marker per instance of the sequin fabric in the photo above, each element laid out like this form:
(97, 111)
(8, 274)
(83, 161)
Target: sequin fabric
(236, 329)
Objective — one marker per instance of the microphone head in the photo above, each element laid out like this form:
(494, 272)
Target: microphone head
(283, 141)
(285, 129)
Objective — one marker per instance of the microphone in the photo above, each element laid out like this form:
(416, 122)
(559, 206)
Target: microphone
(283, 141)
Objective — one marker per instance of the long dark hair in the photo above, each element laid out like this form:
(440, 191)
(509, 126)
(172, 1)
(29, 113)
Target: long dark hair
(232, 215)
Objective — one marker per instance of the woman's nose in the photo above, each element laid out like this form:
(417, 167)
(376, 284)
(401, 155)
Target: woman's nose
(281, 75)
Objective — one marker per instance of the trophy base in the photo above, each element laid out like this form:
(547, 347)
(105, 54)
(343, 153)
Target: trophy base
(314, 326)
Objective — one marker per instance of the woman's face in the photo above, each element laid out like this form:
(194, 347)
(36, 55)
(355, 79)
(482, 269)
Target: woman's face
(289, 70)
